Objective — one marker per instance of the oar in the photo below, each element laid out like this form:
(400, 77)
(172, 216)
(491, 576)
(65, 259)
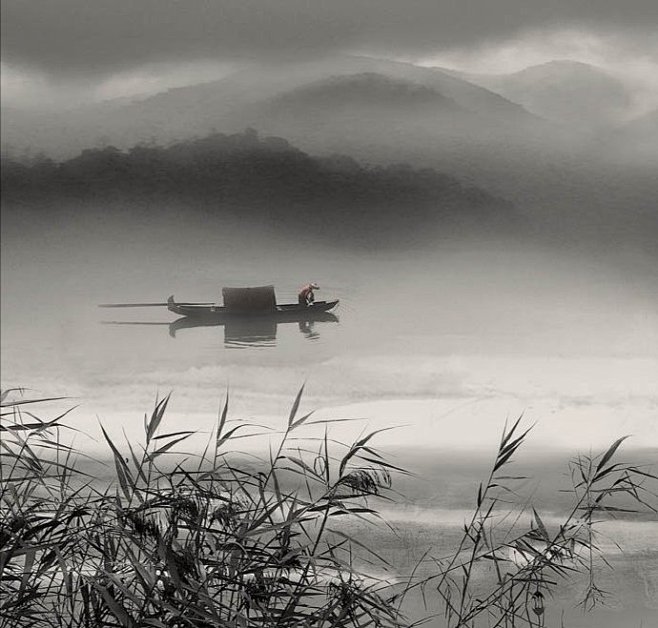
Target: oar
(147, 304)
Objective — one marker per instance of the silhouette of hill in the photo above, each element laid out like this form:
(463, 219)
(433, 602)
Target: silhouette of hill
(376, 111)
(256, 178)
(247, 97)
(365, 89)
(357, 110)
(568, 92)
(470, 96)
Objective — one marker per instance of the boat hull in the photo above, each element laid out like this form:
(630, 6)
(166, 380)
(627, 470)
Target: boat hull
(285, 312)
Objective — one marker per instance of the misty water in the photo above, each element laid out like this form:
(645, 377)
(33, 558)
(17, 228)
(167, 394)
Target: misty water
(447, 342)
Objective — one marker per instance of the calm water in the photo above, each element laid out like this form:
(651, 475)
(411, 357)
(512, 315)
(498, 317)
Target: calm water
(447, 343)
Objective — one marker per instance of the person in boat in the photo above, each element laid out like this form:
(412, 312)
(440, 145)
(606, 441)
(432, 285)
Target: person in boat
(306, 296)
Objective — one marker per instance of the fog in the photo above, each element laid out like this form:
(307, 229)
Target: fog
(475, 327)
(571, 159)
(483, 207)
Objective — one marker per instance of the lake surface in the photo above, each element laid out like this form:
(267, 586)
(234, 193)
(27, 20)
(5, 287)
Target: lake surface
(446, 342)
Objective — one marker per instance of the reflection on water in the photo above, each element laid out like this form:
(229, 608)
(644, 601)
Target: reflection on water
(244, 332)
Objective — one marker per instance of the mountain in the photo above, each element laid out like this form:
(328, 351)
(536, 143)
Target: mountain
(251, 95)
(468, 95)
(367, 89)
(378, 111)
(339, 77)
(385, 112)
(571, 93)
(348, 112)
(259, 180)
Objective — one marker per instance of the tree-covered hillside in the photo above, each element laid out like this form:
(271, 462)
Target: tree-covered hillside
(253, 174)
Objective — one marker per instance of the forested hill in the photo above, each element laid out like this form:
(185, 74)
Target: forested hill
(248, 172)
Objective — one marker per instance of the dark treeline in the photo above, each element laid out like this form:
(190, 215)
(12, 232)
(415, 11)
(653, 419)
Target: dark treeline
(251, 174)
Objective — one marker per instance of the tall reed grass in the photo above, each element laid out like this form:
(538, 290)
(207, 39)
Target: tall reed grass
(213, 539)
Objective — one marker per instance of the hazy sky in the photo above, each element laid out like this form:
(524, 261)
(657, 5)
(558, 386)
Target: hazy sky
(105, 48)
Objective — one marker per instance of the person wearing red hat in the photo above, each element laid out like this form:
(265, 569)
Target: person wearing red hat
(306, 296)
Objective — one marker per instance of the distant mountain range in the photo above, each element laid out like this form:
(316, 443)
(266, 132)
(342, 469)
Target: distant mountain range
(549, 138)
(253, 95)
(571, 93)
(317, 104)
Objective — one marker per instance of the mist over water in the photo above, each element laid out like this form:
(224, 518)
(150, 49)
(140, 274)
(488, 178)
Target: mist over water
(502, 325)
(446, 340)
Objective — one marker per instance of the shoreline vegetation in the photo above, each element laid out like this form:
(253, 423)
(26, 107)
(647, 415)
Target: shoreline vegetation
(211, 540)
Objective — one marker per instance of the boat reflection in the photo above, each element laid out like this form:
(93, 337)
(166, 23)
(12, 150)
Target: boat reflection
(254, 331)
(244, 332)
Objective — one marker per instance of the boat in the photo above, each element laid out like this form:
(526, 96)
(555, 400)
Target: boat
(287, 311)
(252, 303)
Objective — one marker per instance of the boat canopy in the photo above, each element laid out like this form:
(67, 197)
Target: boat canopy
(258, 299)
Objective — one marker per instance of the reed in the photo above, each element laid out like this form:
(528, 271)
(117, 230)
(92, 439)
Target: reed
(524, 563)
(211, 540)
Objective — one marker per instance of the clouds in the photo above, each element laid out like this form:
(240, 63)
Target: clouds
(102, 37)
(82, 36)
(65, 52)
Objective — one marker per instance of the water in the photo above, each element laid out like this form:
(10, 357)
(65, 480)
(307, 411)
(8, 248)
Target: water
(445, 343)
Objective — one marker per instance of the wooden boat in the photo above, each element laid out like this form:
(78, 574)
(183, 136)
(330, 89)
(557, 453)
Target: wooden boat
(242, 304)
(289, 312)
